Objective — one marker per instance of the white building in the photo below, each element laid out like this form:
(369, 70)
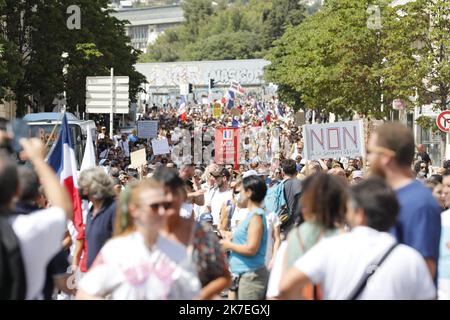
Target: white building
(146, 24)
(164, 79)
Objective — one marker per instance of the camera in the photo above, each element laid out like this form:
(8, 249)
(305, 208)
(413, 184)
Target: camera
(10, 134)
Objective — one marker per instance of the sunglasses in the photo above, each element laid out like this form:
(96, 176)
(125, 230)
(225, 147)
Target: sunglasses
(156, 206)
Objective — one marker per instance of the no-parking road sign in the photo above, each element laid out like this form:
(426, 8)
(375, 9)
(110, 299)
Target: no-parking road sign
(443, 121)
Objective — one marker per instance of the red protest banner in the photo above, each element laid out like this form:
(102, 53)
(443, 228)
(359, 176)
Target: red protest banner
(227, 146)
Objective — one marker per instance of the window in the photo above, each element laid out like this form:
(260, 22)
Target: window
(139, 32)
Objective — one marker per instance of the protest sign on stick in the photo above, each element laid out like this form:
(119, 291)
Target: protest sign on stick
(138, 158)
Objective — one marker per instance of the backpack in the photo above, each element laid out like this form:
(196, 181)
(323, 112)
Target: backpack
(12, 271)
(275, 200)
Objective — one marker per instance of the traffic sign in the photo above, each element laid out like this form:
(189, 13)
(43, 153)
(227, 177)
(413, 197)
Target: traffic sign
(443, 121)
(99, 91)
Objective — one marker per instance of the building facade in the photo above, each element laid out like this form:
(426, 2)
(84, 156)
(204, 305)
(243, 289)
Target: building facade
(146, 24)
(164, 79)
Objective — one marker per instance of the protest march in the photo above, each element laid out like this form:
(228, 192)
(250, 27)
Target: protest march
(245, 152)
(247, 206)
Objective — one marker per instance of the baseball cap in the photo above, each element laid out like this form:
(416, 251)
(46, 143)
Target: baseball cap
(249, 173)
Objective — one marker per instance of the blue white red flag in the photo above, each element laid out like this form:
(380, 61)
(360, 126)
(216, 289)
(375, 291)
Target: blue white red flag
(62, 160)
(182, 110)
(237, 88)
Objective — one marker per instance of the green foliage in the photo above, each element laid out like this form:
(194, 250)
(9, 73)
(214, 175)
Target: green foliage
(230, 30)
(336, 62)
(427, 123)
(284, 13)
(38, 41)
(10, 71)
(240, 45)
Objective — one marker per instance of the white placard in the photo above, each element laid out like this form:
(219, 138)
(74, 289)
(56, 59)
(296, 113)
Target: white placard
(147, 129)
(334, 140)
(138, 158)
(160, 146)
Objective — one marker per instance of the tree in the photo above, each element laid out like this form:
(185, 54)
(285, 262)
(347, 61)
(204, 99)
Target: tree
(101, 44)
(38, 32)
(418, 52)
(196, 13)
(283, 13)
(227, 30)
(240, 45)
(10, 69)
(332, 61)
(338, 61)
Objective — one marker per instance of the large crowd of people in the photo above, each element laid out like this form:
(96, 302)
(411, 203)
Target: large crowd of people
(273, 226)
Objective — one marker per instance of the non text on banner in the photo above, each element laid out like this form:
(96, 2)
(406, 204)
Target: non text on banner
(334, 140)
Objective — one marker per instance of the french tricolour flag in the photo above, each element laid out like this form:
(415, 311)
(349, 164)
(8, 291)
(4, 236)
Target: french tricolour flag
(182, 111)
(236, 87)
(227, 134)
(62, 160)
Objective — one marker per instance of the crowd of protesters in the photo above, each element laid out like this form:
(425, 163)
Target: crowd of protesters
(273, 227)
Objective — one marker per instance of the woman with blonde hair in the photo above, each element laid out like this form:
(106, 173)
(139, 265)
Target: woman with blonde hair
(124, 223)
(139, 262)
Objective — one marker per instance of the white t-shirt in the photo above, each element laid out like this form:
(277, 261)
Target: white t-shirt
(444, 258)
(217, 200)
(116, 140)
(126, 269)
(198, 210)
(273, 288)
(40, 236)
(273, 221)
(338, 264)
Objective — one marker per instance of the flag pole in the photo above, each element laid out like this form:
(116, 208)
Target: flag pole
(54, 129)
(111, 115)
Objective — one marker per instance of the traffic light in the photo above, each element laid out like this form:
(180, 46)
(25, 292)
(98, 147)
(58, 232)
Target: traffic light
(211, 83)
(191, 87)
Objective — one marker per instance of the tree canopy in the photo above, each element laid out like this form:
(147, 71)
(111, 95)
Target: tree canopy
(339, 60)
(34, 37)
(228, 30)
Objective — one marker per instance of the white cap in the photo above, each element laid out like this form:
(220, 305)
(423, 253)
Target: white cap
(249, 173)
